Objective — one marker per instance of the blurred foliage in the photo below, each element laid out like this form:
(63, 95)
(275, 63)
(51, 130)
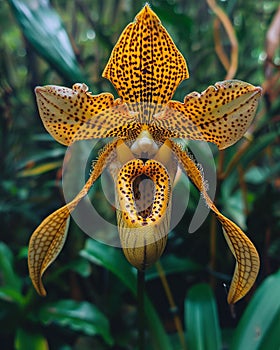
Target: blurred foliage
(91, 301)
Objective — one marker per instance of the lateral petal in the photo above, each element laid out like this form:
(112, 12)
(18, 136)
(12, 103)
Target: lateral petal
(246, 255)
(221, 114)
(75, 114)
(48, 239)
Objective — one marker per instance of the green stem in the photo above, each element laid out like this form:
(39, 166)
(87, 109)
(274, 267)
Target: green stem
(141, 310)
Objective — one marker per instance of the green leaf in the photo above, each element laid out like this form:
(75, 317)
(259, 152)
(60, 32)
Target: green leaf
(81, 266)
(8, 274)
(79, 316)
(201, 319)
(252, 153)
(173, 264)
(113, 260)
(257, 175)
(43, 28)
(30, 341)
(41, 156)
(258, 145)
(259, 327)
(39, 169)
(234, 208)
(10, 294)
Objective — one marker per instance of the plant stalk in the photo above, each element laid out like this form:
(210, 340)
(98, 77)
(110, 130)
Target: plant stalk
(141, 308)
(173, 307)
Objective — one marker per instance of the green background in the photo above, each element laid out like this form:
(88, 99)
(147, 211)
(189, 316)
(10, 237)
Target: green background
(91, 300)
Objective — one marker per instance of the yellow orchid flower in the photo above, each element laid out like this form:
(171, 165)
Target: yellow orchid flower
(145, 68)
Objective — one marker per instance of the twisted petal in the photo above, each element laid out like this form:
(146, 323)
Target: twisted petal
(145, 65)
(247, 258)
(74, 114)
(48, 239)
(221, 114)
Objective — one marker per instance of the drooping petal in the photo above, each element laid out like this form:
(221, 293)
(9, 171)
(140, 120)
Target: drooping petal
(145, 65)
(221, 114)
(45, 244)
(48, 239)
(246, 255)
(74, 114)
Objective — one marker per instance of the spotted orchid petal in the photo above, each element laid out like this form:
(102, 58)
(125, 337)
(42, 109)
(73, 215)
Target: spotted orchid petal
(145, 66)
(48, 239)
(246, 255)
(221, 114)
(75, 114)
(144, 206)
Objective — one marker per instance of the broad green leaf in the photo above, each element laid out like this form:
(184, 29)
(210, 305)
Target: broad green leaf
(8, 275)
(258, 146)
(172, 264)
(43, 28)
(79, 316)
(257, 175)
(113, 260)
(234, 207)
(10, 294)
(30, 341)
(81, 266)
(252, 153)
(201, 319)
(259, 327)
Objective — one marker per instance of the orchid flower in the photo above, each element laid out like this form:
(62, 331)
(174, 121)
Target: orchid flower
(145, 68)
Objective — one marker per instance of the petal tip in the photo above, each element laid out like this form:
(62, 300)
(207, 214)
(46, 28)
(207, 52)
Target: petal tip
(39, 89)
(40, 289)
(147, 13)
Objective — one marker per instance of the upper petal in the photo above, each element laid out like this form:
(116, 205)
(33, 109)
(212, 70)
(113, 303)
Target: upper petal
(145, 65)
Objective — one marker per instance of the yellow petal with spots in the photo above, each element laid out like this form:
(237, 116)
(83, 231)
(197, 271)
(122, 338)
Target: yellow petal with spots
(246, 255)
(48, 239)
(143, 231)
(145, 65)
(221, 114)
(75, 114)
(143, 199)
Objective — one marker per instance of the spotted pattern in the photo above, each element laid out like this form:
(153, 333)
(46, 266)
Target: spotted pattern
(221, 114)
(246, 255)
(145, 67)
(74, 114)
(48, 239)
(143, 236)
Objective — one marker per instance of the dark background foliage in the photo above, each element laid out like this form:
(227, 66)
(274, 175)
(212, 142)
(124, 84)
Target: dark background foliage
(91, 301)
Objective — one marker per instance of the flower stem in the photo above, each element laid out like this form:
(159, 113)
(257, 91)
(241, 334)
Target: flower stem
(173, 307)
(141, 310)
